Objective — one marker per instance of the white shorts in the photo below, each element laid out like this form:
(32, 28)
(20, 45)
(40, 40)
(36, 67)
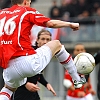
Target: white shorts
(26, 66)
(87, 97)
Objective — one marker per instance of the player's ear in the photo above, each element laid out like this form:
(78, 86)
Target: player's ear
(24, 2)
(27, 3)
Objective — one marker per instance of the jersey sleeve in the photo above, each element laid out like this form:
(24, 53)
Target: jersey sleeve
(38, 18)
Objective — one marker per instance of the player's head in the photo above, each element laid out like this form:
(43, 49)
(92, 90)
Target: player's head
(21, 2)
(79, 48)
(43, 37)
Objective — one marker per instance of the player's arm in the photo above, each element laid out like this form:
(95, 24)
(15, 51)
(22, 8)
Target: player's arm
(60, 24)
(47, 22)
(68, 84)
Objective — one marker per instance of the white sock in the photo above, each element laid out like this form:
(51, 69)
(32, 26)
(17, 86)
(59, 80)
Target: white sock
(66, 60)
(5, 94)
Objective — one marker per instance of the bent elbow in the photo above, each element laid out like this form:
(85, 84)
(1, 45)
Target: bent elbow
(49, 24)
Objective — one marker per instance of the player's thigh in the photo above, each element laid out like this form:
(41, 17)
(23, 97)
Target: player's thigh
(54, 45)
(42, 58)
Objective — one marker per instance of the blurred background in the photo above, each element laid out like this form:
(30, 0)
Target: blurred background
(87, 13)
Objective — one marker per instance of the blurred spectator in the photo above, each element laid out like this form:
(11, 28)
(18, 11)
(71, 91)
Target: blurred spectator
(93, 8)
(84, 14)
(66, 17)
(82, 6)
(54, 12)
(72, 8)
(84, 18)
(97, 12)
(63, 7)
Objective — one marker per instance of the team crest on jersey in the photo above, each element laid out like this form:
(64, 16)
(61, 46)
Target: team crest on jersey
(37, 12)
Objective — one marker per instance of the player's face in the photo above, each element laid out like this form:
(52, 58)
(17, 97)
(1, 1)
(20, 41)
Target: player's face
(79, 49)
(43, 39)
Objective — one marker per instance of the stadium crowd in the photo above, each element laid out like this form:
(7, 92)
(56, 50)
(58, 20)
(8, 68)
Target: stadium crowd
(76, 8)
(72, 9)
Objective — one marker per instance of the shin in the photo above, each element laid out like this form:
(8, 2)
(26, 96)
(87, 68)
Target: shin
(66, 60)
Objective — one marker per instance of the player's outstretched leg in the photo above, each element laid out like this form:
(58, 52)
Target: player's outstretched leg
(66, 60)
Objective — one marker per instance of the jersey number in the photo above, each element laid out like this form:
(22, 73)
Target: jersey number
(7, 27)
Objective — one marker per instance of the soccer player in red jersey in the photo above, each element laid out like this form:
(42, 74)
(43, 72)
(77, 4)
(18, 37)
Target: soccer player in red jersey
(18, 58)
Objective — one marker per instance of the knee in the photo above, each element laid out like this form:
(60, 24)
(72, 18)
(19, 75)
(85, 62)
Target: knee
(58, 44)
(11, 89)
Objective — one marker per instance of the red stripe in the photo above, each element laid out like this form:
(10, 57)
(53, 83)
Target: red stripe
(6, 94)
(66, 61)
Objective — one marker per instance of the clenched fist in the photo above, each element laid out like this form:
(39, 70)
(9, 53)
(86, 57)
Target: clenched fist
(74, 26)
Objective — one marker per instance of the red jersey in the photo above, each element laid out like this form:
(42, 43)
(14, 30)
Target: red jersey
(15, 25)
(76, 91)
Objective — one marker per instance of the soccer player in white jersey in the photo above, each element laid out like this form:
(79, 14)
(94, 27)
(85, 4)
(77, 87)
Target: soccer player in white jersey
(18, 58)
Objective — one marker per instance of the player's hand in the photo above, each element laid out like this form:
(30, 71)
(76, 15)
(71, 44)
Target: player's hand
(81, 94)
(50, 88)
(31, 87)
(74, 26)
(92, 92)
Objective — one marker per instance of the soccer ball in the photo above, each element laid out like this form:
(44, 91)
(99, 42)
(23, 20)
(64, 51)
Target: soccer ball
(85, 63)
